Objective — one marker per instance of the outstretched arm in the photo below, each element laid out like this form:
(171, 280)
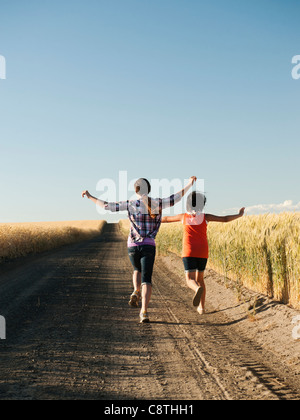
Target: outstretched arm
(224, 219)
(95, 200)
(113, 207)
(176, 198)
(172, 219)
(192, 180)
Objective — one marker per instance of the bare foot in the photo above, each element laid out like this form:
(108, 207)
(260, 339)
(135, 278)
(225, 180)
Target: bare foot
(201, 310)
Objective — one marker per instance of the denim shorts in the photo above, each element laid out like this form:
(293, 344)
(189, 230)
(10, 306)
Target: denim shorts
(142, 259)
(192, 264)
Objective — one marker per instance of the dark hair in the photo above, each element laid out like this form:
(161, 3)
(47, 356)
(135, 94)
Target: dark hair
(143, 187)
(195, 202)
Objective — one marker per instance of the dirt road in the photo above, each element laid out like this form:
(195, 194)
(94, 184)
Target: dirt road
(72, 335)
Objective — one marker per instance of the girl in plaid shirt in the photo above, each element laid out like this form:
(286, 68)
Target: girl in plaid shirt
(145, 215)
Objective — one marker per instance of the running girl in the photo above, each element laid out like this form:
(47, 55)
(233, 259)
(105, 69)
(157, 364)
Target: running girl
(145, 215)
(195, 244)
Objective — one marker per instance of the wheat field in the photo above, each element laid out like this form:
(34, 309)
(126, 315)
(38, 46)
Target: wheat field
(21, 239)
(260, 252)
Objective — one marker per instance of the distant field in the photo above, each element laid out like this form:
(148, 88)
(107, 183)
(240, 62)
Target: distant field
(21, 239)
(260, 252)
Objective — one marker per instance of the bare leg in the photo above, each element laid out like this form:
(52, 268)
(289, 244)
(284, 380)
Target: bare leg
(135, 297)
(137, 280)
(200, 281)
(146, 296)
(191, 280)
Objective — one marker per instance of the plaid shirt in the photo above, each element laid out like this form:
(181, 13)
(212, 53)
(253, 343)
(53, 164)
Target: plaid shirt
(142, 225)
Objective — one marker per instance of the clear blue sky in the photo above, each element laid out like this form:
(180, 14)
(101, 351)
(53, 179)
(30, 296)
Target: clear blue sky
(160, 88)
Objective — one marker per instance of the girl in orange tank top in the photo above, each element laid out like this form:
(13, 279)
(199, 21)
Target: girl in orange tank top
(195, 250)
(195, 243)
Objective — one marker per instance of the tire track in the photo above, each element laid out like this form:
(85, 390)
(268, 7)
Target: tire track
(238, 367)
(197, 355)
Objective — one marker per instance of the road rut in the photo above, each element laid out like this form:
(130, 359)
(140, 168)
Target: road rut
(72, 335)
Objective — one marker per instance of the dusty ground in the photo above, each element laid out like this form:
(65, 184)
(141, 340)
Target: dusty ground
(72, 335)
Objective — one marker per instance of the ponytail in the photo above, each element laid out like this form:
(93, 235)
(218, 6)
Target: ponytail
(143, 187)
(149, 206)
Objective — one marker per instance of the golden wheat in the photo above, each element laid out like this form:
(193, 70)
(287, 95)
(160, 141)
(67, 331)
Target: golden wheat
(263, 252)
(260, 252)
(21, 239)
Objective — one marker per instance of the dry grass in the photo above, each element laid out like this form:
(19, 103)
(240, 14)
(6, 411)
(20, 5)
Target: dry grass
(259, 252)
(124, 227)
(21, 239)
(263, 252)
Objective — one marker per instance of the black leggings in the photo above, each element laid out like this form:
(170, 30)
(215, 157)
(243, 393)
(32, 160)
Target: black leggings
(142, 259)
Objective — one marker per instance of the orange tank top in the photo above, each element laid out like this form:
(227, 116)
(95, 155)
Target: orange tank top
(195, 243)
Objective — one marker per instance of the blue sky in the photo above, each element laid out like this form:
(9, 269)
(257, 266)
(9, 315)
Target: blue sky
(160, 89)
